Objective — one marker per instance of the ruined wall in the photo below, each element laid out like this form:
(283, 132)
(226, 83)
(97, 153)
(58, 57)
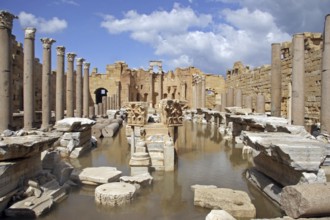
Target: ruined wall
(257, 80)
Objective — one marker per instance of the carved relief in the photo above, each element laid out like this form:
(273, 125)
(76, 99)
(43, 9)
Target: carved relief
(172, 112)
(136, 113)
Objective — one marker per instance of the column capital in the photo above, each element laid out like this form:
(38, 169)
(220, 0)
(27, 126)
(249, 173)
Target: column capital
(47, 42)
(80, 61)
(86, 65)
(6, 20)
(60, 50)
(71, 56)
(30, 33)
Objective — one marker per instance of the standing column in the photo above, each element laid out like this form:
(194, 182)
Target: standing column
(298, 80)
(230, 97)
(276, 80)
(260, 108)
(238, 97)
(69, 85)
(248, 102)
(104, 105)
(6, 114)
(46, 71)
(325, 79)
(28, 79)
(203, 92)
(86, 90)
(108, 102)
(79, 87)
(118, 94)
(223, 102)
(160, 87)
(59, 111)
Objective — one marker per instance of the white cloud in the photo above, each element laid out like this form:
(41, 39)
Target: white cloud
(43, 26)
(182, 37)
(70, 2)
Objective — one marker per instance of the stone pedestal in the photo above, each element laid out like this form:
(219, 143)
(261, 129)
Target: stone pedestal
(59, 110)
(28, 79)
(139, 163)
(114, 194)
(86, 107)
(79, 87)
(46, 71)
(276, 80)
(69, 85)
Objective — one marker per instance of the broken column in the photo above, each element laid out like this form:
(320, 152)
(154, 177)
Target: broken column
(230, 97)
(59, 110)
(79, 87)
(86, 90)
(6, 114)
(238, 98)
(28, 79)
(325, 79)
(260, 107)
(46, 71)
(276, 80)
(69, 85)
(298, 80)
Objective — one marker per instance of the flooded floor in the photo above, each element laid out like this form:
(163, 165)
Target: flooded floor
(203, 158)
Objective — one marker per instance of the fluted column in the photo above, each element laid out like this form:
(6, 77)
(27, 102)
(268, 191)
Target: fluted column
(46, 71)
(260, 107)
(238, 98)
(118, 94)
(6, 114)
(59, 110)
(86, 90)
(298, 80)
(276, 80)
(28, 78)
(79, 87)
(69, 85)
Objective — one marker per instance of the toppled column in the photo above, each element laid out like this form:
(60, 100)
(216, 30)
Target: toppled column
(86, 91)
(28, 79)
(79, 87)
(276, 80)
(69, 85)
(298, 80)
(248, 102)
(59, 111)
(46, 71)
(6, 114)
(260, 108)
(230, 97)
(325, 79)
(238, 98)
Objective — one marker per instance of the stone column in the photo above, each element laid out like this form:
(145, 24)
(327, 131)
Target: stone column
(325, 79)
(238, 98)
(203, 94)
(223, 102)
(248, 102)
(194, 96)
(91, 112)
(276, 80)
(79, 87)
(59, 111)
(108, 103)
(298, 80)
(46, 71)
(69, 85)
(151, 90)
(104, 105)
(6, 114)
(230, 97)
(118, 94)
(86, 91)
(100, 108)
(260, 107)
(160, 94)
(28, 79)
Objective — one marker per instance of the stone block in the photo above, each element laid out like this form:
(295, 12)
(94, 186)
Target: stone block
(219, 215)
(114, 194)
(97, 175)
(74, 124)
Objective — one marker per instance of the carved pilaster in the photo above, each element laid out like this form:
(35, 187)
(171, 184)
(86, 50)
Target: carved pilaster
(172, 112)
(6, 20)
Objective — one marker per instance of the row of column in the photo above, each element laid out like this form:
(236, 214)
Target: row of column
(108, 103)
(198, 92)
(6, 114)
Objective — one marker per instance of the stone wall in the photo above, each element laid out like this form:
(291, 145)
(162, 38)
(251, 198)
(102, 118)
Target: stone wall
(257, 80)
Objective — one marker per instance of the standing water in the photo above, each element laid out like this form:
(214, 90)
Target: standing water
(203, 158)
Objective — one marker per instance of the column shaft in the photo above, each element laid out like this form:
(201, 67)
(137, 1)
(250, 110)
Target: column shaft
(230, 97)
(59, 110)
(248, 102)
(86, 90)
(298, 80)
(276, 80)
(203, 94)
(69, 85)
(79, 103)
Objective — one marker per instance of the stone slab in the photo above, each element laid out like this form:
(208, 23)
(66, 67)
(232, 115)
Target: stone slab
(98, 175)
(74, 124)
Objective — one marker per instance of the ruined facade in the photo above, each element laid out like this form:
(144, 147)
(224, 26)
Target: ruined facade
(257, 81)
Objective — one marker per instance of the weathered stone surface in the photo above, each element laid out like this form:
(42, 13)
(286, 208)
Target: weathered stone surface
(143, 179)
(110, 130)
(114, 194)
(137, 113)
(197, 186)
(238, 110)
(97, 175)
(97, 130)
(78, 138)
(49, 159)
(140, 159)
(25, 146)
(259, 121)
(74, 124)
(306, 200)
(62, 171)
(78, 151)
(172, 111)
(237, 203)
(219, 215)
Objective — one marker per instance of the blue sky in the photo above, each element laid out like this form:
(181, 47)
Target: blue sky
(208, 34)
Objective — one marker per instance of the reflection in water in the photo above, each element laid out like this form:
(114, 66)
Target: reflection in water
(203, 158)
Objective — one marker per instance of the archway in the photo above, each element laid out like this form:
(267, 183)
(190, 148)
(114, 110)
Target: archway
(99, 93)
